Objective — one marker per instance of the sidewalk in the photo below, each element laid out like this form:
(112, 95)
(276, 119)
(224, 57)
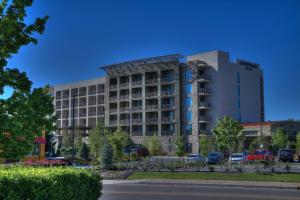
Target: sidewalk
(220, 183)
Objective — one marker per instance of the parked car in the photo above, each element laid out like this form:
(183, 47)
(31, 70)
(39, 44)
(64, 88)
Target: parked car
(260, 155)
(285, 155)
(214, 157)
(195, 157)
(238, 158)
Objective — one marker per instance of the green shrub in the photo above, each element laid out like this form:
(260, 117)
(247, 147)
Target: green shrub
(34, 183)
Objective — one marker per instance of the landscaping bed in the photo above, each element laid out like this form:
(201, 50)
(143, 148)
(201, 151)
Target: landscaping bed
(273, 177)
(40, 183)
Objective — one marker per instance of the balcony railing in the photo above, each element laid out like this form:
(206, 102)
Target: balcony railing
(151, 107)
(167, 93)
(204, 91)
(204, 119)
(167, 80)
(137, 133)
(113, 86)
(137, 120)
(204, 78)
(151, 81)
(124, 121)
(167, 119)
(167, 106)
(124, 96)
(167, 132)
(136, 83)
(124, 85)
(204, 105)
(151, 94)
(136, 95)
(151, 133)
(122, 109)
(114, 98)
(113, 110)
(113, 122)
(135, 108)
(151, 120)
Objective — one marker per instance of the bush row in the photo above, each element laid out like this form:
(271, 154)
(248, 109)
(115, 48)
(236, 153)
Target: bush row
(35, 183)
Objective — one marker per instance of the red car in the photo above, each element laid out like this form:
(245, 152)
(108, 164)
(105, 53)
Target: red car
(260, 155)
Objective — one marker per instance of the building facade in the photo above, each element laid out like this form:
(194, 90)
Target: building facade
(165, 96)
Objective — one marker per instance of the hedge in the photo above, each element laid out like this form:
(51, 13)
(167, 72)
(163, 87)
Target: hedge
(59, 183)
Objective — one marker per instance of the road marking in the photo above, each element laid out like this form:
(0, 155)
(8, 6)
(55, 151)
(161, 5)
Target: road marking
(202, 194)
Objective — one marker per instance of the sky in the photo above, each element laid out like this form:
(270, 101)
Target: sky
(81, 36)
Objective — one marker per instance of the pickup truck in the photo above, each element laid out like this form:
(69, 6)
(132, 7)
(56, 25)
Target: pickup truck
(260, 155)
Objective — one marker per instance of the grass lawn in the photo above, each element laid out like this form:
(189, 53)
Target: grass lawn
(275, 177)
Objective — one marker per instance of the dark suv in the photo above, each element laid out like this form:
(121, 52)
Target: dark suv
(285, 155)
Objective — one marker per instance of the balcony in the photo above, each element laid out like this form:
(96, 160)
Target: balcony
(136, 83)
(204, 78)
(124, 85)
(203, 119)
(204, 91)
(114, 98)
(115, 86)
(151, 133)
(151, 94)
(167, 93)
(137, 120)
(122, 97)
(167, 119)
(124, 121)
(124, 109)
(152, 120)
(136, 108)
(113, 122)
(137, 133)
(167, 106)
(136, 95)
(167, 80)
(204, 105)
(151, 107)
(151, 81)
(113, 110)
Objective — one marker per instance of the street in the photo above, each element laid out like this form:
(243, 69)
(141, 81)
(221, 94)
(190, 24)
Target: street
(164, 191)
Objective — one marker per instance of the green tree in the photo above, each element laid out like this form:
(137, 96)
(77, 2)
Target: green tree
(84, 151)
(96, 137)
(153, 145)
(253, 145)
(106, 155)
(127, 142)
(298, 142)
(25, 114)
(180, 146)
(78, 142)
(279, 140)
(206, 144)
(116, 140)
(67, 145)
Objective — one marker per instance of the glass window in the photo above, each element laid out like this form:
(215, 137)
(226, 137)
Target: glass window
(188, 116)
(188, 89)
(188, 102)
(188, 75)
(188, 129)
(238, 77)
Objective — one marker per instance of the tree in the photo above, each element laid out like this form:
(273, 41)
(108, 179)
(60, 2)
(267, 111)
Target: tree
(78, 142)
(67, 144)
(206, 144)
(116, 140)
(96, 137)
(180, 146)
(153, 145)
(279, 140)
(106, 156)
(298, 142)
(27, 112)
(84, 151)
(226, 133)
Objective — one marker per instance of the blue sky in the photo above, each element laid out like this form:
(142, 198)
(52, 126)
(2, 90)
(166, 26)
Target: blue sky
(82, 36)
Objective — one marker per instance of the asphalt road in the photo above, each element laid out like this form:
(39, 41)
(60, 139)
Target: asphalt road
(169, 191)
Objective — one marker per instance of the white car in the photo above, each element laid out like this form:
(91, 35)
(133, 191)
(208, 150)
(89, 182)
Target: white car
(195, 157)
(237, 158)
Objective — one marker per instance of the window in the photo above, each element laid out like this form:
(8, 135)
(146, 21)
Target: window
(82, 91)
(188, 75)
(92, 89)
(82, 101)
(74, 92)
(188, 129)
(101, 88)
(188, 102)
(188, 116)
(92, 100)
(188, 147)
(65, 94)
(188, 89)
(238, 77)
(92, 111)
(58, 95)
(100, 99)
